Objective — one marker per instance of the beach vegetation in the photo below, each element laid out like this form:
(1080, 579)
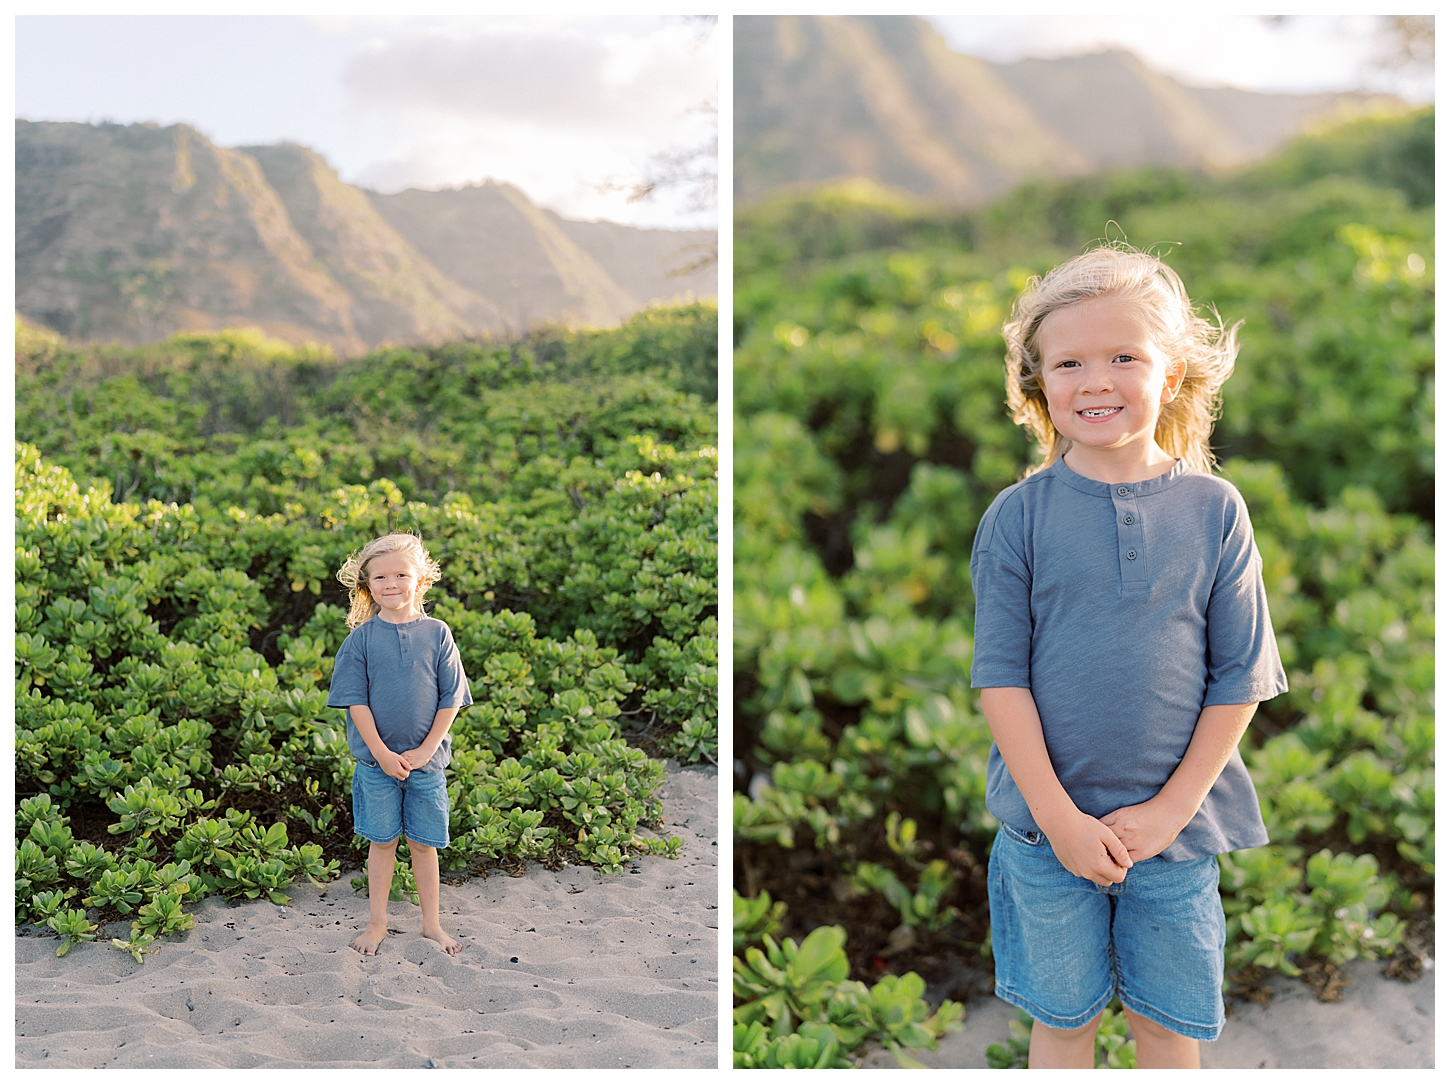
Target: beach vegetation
(784, 990)
(755, 917)
(1013, 1053)
(181, 510)
(814, 1046)
(71, 926)
(139, 945)
(1113, 1048)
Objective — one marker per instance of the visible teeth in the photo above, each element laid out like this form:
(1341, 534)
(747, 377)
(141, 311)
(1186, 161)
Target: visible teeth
(1098, 412)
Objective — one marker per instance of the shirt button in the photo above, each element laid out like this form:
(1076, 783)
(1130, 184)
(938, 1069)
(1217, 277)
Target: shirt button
(1123, 491)
(1132, 555)
(1127, 519)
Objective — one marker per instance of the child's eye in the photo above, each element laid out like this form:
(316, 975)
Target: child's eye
(1124, 357)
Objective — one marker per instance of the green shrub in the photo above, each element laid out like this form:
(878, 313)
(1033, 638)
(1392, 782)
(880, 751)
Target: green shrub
(796, 1008)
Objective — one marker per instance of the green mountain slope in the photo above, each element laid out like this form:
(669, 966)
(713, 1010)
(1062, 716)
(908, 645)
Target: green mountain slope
(490, 238)
(652, 266)
(398, 295)
(133, 233)
(821, 98)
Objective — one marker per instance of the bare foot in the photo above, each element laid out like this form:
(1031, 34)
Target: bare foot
(368, 941)
(450, 946)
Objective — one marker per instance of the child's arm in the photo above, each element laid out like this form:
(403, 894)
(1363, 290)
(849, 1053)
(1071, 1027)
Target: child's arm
(442, 720)
(1150, 826)
(1084, 845)
(389, 761)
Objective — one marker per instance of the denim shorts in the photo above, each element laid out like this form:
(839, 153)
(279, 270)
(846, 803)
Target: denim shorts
(384, 808)
(1065, 946)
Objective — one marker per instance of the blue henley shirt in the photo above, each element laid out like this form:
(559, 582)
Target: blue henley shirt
(1125, 609)
(404, 673)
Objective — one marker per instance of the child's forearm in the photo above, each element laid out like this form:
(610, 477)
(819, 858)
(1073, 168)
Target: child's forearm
(1085, 846)
(1215, 736)
(367, 727)
(442, 720)
(1017, 728)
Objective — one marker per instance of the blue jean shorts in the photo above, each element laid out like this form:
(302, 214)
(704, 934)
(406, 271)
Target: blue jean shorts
(1065, 946)
(383, 808)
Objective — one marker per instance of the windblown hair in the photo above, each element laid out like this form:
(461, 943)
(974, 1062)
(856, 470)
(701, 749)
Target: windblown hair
(354, 574)
(1155, 290)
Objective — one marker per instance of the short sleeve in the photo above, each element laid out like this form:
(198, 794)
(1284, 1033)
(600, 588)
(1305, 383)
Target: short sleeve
(1243, 658)
(349, 674)
(1002, 583)
(453, 691)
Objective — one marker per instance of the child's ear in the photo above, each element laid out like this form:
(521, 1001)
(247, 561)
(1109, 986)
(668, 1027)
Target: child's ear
(1173, 381)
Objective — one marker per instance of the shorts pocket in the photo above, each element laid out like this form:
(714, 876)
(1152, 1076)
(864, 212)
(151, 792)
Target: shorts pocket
(1032, 839)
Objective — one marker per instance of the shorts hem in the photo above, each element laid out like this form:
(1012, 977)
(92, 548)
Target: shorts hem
(1047, 1019)
(1201, 1032)
(402, 835)
(379, 842)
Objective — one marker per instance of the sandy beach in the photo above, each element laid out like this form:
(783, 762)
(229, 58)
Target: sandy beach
(1380, 1024)
(566, 969)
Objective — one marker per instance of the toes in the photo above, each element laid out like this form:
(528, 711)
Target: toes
(364, 948)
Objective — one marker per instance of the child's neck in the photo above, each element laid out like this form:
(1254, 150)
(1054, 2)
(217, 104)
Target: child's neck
(1114, 465)
(401, 619)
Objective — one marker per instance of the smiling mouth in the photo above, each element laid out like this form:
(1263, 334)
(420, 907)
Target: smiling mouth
(1099, 412)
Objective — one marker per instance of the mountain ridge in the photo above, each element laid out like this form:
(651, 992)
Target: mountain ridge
(883, 97)
(135, 232)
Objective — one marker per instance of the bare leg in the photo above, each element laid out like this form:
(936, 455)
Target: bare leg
(1159, 1048)
(425, 872)
(380, 884)
(1062, 1048)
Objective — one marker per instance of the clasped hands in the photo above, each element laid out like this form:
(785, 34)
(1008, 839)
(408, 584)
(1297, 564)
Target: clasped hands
(399, 765)
(1102, 850)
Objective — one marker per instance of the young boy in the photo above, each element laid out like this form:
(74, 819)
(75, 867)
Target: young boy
(400, 678)
(1122, 645)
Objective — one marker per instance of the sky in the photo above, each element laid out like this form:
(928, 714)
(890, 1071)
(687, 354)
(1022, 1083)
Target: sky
(572, 109)
(1205, 47)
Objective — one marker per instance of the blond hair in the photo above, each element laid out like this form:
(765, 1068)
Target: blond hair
(1206, 347)
(354, 574)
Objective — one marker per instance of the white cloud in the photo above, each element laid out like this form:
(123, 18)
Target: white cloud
(558, 110)
(563, 76)
(1299, 53)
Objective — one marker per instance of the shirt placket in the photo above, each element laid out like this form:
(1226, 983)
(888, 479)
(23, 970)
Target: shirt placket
(1132, 560)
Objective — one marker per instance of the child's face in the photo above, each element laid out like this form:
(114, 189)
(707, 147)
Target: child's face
(1105, 378)
(393, 583)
